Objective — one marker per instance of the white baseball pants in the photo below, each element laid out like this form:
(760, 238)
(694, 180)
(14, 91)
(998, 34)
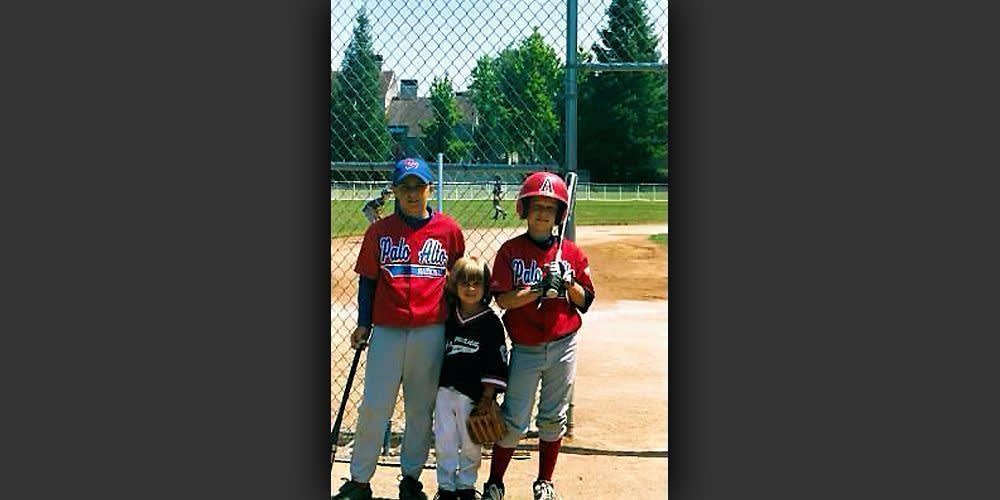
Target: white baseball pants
(458, 458)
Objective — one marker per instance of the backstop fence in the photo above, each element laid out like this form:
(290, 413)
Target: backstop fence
(491, 90)
(363, 191)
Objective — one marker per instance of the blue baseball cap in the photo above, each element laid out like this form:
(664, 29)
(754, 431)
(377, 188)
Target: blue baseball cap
(411, 166)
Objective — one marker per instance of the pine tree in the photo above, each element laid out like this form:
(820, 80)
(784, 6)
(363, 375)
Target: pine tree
(358, 130)
(623, 115)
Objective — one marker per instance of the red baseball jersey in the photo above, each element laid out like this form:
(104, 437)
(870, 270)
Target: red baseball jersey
(410, 267)
(520, 264)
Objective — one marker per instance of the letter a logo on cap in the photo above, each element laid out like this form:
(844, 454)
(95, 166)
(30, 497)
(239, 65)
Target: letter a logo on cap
(410, 164)
(546, 185)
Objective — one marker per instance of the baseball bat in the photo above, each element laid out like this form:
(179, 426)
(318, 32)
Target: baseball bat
(571, 187)
(335, 433)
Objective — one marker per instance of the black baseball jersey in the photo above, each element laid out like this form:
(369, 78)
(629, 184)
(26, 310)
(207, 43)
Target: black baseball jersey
(475, 352)
(497, 190)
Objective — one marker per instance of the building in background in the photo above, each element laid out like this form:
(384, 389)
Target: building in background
(406, 111)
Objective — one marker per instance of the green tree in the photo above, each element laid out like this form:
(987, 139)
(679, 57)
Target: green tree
(358, 130)
(529, 80)
(488, 135)
(623, 115)
(439, 131)
(517, 96)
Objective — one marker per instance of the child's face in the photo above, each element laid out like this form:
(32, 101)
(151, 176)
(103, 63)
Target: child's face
(542, 213)
(412, 195)
(470, 293)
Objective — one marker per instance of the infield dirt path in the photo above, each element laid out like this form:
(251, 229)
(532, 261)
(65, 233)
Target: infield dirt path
(620, 435)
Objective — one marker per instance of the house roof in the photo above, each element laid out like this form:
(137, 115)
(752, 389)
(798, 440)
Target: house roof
(411, 112)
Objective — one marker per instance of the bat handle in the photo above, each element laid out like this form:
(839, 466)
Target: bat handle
(552, 292)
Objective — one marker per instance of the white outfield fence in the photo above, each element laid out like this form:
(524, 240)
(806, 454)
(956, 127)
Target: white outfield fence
(363, 190)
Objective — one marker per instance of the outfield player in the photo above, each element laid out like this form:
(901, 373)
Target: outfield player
(542, 330)
(474, 371)
(497, 197)
(403, 264)
(373, 207)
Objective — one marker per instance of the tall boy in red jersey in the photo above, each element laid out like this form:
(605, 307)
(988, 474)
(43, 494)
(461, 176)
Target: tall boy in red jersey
(403, 264)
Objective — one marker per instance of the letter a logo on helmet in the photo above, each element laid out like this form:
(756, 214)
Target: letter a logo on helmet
(544, 184)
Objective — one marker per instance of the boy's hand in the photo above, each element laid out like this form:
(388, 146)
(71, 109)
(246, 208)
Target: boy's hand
(553, 279)
(359, 338)
(542, 284)
(563, 269)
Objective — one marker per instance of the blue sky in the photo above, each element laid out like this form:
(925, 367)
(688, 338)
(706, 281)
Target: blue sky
(428, 38)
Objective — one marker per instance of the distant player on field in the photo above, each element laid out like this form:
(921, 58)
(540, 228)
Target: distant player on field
(373, 207)
(497, 197)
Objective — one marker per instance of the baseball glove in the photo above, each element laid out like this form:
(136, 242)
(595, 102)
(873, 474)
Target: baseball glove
(485, 424)
(554, 281)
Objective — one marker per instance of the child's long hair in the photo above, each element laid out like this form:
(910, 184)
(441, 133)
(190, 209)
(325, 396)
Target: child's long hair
(468, 269)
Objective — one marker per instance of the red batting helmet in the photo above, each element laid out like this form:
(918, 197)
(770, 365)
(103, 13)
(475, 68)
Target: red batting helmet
(543, 184)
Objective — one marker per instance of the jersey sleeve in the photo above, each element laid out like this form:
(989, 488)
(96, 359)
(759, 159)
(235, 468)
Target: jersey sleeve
(367, 264)
(366, 297)
(502, 277)
(493, 358)
(458, 243)
(581, 273)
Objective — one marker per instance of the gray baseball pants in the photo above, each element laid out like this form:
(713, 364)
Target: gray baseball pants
(413, 357)
(554, 366)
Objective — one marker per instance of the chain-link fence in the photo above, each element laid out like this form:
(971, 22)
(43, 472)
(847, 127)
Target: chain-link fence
(586, 191)
(488, 89)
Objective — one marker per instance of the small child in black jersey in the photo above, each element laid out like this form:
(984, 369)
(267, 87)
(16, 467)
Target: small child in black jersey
(473, 372)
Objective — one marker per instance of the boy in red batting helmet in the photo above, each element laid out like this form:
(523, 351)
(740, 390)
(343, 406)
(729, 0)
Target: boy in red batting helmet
(542, 330)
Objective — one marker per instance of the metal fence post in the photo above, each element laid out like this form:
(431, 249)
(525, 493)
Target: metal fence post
(570, 137)
(571, 103)
(440, 182)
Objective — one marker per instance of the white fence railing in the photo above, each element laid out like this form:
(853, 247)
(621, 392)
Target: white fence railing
(363, 190)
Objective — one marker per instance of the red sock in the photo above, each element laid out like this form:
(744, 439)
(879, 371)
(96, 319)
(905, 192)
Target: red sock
(499, 462)
(548, 451)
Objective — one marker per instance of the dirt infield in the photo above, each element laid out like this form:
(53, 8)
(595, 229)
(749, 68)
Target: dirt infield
(620, 404)
(630, 243)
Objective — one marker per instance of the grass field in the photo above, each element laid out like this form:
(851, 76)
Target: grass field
(346, 218)
(659, 238)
